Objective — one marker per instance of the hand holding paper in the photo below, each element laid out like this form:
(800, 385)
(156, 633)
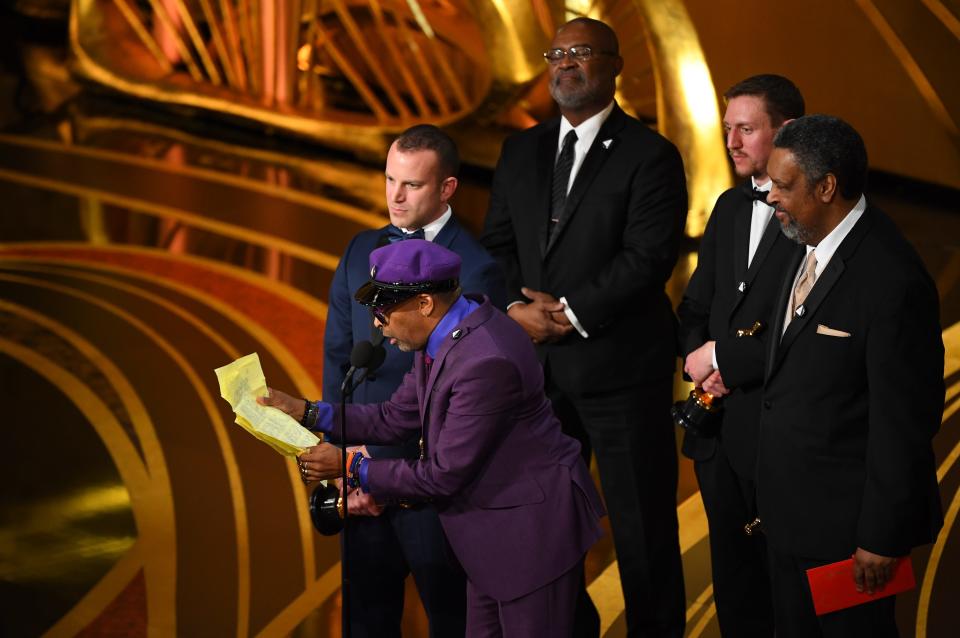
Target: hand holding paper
(872, 571)
(241, 383)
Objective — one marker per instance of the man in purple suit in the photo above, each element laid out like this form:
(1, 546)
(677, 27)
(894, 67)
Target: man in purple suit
(515, 498)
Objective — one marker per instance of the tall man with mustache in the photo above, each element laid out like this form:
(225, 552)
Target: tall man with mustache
(586, 214)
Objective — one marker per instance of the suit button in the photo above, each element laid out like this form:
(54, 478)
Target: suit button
(767, 405)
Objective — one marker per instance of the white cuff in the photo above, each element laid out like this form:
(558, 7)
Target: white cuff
(567, 310)
(713, 356)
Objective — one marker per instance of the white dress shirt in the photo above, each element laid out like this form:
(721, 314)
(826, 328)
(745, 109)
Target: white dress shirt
(431, 230)
(827, 247)
(586, 134)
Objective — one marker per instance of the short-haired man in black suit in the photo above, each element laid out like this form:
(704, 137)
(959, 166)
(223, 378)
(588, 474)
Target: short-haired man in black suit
(854, 388)
(742, 258)
(586, 214)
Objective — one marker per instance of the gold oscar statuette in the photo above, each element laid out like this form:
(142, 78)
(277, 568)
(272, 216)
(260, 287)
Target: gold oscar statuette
(700, 413)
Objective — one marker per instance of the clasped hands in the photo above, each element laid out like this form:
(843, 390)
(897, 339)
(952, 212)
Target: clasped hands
(322, 461)
(699, 365)
(543, 318)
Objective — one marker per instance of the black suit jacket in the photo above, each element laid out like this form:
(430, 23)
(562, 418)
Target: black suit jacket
(845, 457)
(724, 296)
(611, 254)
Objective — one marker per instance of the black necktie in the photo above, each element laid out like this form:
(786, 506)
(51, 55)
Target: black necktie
(394, 234)
(561, 178)
(759, 195)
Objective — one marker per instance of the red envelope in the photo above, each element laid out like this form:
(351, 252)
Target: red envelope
(833, 588)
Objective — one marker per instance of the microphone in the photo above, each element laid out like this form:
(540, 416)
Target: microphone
(376, 360)
(360, 357)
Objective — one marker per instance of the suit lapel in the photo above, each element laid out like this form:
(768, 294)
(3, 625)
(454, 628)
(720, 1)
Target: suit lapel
(592, 163)
(448, 233)
(741, 243)
(780, 310)
(821, 288)
(546, 157)
(771, 234)
(470, 322)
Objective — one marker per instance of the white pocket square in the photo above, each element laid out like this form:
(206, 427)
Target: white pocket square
(830, 332)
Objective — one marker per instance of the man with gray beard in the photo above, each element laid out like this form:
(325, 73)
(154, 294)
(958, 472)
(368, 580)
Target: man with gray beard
(853, 390)
(586, 214)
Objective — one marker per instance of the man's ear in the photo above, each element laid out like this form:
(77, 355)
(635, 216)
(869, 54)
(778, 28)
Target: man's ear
(447, 188)
(426, 304)
(827, 188)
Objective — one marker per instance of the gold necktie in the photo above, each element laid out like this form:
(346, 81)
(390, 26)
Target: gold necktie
(805, 282)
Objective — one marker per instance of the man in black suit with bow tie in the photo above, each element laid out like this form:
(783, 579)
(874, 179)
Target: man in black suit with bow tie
(586, 214)
(742, 258)
(853, 390)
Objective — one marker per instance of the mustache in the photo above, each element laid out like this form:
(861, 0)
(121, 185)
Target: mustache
(576, 74)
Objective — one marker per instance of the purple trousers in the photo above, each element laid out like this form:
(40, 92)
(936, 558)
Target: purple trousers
(547, 611)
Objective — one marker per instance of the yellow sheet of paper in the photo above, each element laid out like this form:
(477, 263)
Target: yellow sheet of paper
(241, 382)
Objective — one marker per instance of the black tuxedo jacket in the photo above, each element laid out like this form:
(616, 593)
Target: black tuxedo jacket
(724, 296)
(610, 255)
(845, 456)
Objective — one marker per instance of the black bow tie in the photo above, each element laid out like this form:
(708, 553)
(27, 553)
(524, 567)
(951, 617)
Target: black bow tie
(759, 195)
(395, 234)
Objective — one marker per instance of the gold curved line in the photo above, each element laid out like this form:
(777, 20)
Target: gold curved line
(308, 303)
(171, 307)
(320, 258)
(104, 592)
(233, 473)
(157, 536)
(943, 14)
(704, 621)
(121, 451)
(606, 590)
(342, 173)
(351, 213)
(926, 589)
(301, 378)
(951, 341)
(909, 64)
(284, 623)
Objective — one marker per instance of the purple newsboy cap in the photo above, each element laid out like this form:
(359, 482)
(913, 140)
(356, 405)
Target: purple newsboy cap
(406, 268)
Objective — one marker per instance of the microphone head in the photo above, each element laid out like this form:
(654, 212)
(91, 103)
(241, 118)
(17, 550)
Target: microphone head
(377, 359)
(361, 354)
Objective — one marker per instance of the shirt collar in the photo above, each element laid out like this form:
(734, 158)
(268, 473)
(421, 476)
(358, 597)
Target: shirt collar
(431, 230)
(587, 130)
(457, 312)
(829, 244)
(765, 187)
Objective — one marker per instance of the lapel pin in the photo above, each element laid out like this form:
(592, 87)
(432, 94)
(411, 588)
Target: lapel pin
(607, 143)
(742, 287)
(800, 311)
(457, 334)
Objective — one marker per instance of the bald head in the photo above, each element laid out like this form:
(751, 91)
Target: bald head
(602, 34)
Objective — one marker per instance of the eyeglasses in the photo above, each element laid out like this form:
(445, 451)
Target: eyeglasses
(380, 313)
(580, 53)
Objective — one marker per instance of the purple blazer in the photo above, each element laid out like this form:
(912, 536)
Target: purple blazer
(515, 499)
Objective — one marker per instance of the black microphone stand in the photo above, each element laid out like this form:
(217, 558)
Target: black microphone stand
(346, 389)
(371, 362)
